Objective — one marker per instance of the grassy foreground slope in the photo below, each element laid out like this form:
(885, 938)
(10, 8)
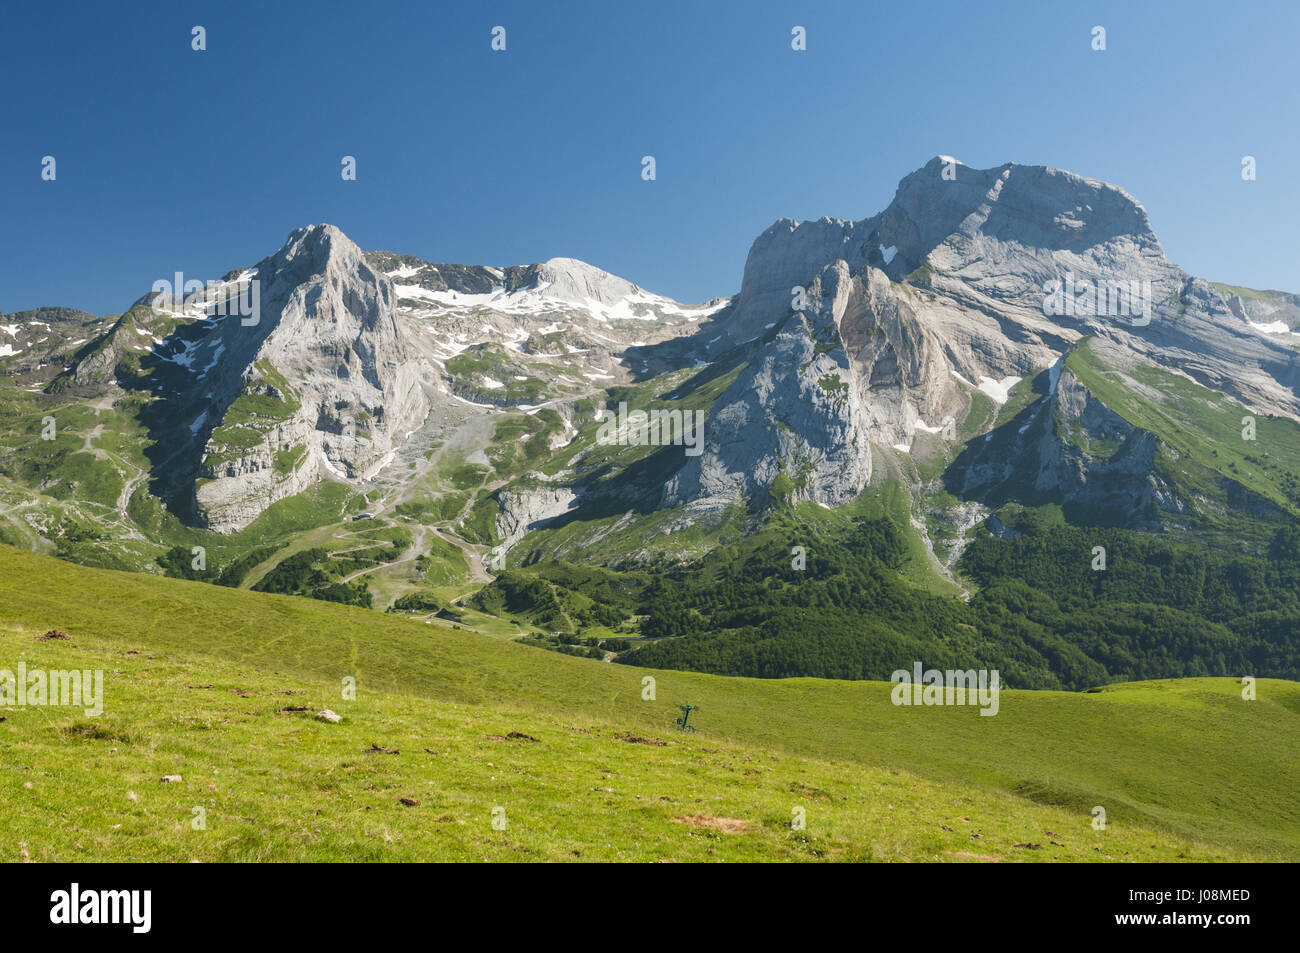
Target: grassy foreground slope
(406, 778)
(196, 677)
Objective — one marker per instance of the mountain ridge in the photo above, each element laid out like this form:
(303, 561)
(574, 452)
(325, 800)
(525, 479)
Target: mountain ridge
(899, 351)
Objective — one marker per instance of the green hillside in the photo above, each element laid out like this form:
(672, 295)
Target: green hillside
(855, 607)
(196, 677)
(1213, 445)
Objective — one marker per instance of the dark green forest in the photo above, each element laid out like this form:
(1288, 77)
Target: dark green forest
(1041, 615)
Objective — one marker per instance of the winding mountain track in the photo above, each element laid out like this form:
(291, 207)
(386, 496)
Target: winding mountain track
(472, 556)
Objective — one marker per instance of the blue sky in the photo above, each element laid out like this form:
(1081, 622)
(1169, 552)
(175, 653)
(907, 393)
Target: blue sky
(170, 159)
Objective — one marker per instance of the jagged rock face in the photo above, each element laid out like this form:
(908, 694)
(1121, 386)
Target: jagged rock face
(1015, 220)
(1072, 449)
(981, 248)
(325, 383)
(526, 508)
(793, 409)
(996, 234)
(945, 292)
(977, 250)
(854, 368)
(1122, 484)
(904, 376)
(1039, 225)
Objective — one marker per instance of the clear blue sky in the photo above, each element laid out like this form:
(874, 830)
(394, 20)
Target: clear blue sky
(170, 159)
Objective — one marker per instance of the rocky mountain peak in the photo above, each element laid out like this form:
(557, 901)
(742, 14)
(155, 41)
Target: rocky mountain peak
(314, 250)
(324, 382)
(568, 279)
(954, 218)
(914, 322)
(1031, 205)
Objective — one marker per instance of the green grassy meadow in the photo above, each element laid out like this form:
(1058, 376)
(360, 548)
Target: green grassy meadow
(200, 681)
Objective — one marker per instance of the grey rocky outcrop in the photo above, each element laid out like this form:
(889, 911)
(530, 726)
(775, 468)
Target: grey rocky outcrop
(981, 248)
(524, 508)
(345, 383)
(946, 292)
(851, 368)
(1070, 448)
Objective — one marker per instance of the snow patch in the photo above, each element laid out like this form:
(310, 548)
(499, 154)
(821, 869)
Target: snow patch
(325, 462)
(1275, 327)
(216, 356)
(639, 305)
(455, 347)
(999, 390)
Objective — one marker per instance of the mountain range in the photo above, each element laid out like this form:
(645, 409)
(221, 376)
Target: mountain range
(999, 356)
